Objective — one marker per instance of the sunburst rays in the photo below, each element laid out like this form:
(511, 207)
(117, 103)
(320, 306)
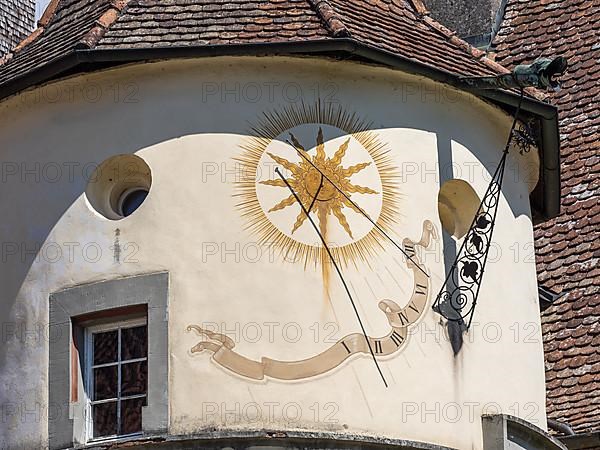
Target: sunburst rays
(305, 180)
(314, 189)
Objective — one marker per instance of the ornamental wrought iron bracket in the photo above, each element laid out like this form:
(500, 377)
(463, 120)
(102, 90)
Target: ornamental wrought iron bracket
(527, 135)
(458, 296)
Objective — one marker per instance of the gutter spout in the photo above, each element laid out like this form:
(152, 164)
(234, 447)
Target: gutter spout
(561, 427)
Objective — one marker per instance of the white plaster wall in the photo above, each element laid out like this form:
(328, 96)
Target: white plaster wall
(167, 114)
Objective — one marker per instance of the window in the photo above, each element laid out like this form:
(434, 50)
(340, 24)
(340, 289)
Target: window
(116, 378)
(108, 361)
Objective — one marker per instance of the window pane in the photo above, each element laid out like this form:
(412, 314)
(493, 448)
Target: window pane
(105, 347)
(131, 415)
(133, 343)
(105, 419)
(105, 383)
(134, 378)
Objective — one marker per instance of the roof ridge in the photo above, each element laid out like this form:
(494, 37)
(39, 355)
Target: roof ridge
(462, 44)
(49, 13)
(419, 6)
(331, 19)
(480, 55)
(47, 16)
(102, 25)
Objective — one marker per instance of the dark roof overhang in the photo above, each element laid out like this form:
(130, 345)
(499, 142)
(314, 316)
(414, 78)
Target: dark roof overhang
(545, 199)
(589, 441)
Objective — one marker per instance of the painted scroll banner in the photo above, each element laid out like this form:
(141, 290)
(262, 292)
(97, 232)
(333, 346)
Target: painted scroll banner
(399, 319)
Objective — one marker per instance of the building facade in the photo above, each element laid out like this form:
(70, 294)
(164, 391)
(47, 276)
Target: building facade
(227, 224)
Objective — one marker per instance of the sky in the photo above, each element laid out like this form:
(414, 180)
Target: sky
(40, 6)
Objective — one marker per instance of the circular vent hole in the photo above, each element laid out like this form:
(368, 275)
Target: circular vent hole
(131, 200)
(119, 186)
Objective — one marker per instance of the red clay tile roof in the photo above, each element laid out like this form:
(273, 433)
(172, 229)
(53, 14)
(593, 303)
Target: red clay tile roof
(59, 35)
(568, 247)
(391, 25)
(395, 26)
(204, 22)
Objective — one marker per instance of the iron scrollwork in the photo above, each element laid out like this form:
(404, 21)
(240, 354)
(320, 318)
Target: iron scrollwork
(458, 296)
(526, 136)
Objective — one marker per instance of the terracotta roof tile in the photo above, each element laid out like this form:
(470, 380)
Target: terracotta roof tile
(568, 247)
(64, 29)
(205, 22)
(397, 26)
(391, 25)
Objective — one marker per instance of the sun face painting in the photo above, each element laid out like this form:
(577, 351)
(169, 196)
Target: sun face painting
(321, 182)
(335, 167)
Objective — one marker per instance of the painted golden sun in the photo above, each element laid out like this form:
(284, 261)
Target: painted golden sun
(321, 183)
(304, 142)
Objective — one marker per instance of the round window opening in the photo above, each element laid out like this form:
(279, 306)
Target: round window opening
(457, 205)
(119, 186)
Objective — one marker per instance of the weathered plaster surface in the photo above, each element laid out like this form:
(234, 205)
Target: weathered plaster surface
(187, 120)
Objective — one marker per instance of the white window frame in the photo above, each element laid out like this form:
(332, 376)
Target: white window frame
(89, 375)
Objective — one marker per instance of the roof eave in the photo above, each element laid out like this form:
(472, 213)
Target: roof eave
(582, 441)
(548, 114)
